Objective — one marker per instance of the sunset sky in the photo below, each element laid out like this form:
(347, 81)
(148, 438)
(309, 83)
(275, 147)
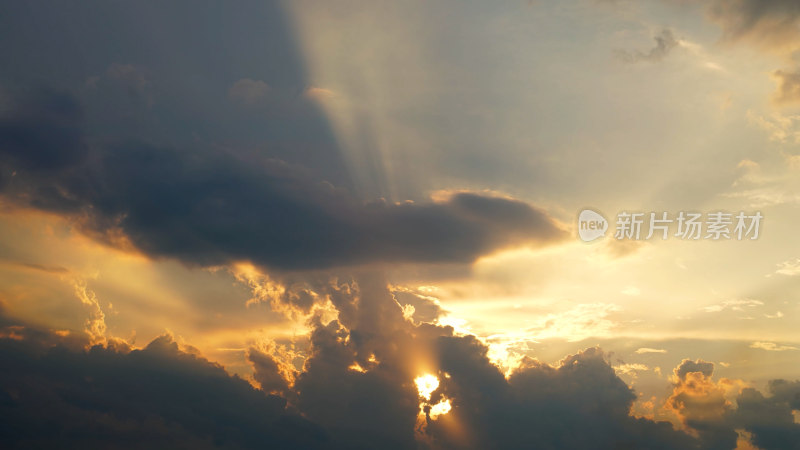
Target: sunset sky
(353, 224)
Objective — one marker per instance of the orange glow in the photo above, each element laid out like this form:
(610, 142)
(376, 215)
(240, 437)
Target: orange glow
(357, 368)
(443, 407)
(426, 384)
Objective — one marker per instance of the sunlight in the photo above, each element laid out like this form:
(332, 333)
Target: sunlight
(357, 368)
(443, 407)
(426, 384)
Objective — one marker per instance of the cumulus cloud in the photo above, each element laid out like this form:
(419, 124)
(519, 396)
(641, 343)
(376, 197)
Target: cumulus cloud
(355, 390)
(705, 407)
(701, 404)
(770, 419)
(56, 393)
(580, 403)
(206, 207)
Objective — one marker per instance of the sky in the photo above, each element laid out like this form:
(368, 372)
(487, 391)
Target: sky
(352, 224)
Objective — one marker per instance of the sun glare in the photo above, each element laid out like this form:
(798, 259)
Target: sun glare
(426, 384)
(443, 407)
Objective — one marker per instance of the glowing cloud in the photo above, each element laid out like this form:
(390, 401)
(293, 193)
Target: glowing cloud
(426, 384)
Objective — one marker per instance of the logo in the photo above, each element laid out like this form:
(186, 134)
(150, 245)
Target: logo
(591, 225)
(692, 226)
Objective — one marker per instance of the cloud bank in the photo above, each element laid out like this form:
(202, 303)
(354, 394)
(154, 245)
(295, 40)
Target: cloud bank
(205, 206)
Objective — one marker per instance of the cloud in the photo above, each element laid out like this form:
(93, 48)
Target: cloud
(355, 390)
(665, 43)
(582, 321)
(631, 369)
(770, 419)
(160, 396)
(423, 308)
(688, 366)
(319, 94)
(248, 91)
(733, 305)
(770, 23)
(579, 403)
(206, 207)
(788, 86)
(43, 132)
(632, 291)
(361, 371)
(650, 350)
(96, 324)
(45, 268)
(771, 346)
(267, 372)
(779, 127)
(701, 405)
(123, 87)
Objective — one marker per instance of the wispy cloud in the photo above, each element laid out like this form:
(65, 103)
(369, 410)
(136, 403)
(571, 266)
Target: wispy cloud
(771, 346)
(789, 267)
(733, 305)
(580, 322)
(650, 350)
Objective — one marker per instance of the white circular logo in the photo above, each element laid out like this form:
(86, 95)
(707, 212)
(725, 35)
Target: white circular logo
(591, 225)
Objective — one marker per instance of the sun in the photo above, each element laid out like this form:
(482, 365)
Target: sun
(426, 384)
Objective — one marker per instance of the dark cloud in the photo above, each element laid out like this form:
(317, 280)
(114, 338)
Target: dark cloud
(168, 81)
(770, 419)
(376, 408)
(665, 43)
(142, 144)
(579, 404)
(700, 402)
(267, 372)
(43, 131)
(688, 366)
(248, 91)
(56, 395)
(355, 390)
(360, 375)
(206, 206)
(768, 22)
(121, 97)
